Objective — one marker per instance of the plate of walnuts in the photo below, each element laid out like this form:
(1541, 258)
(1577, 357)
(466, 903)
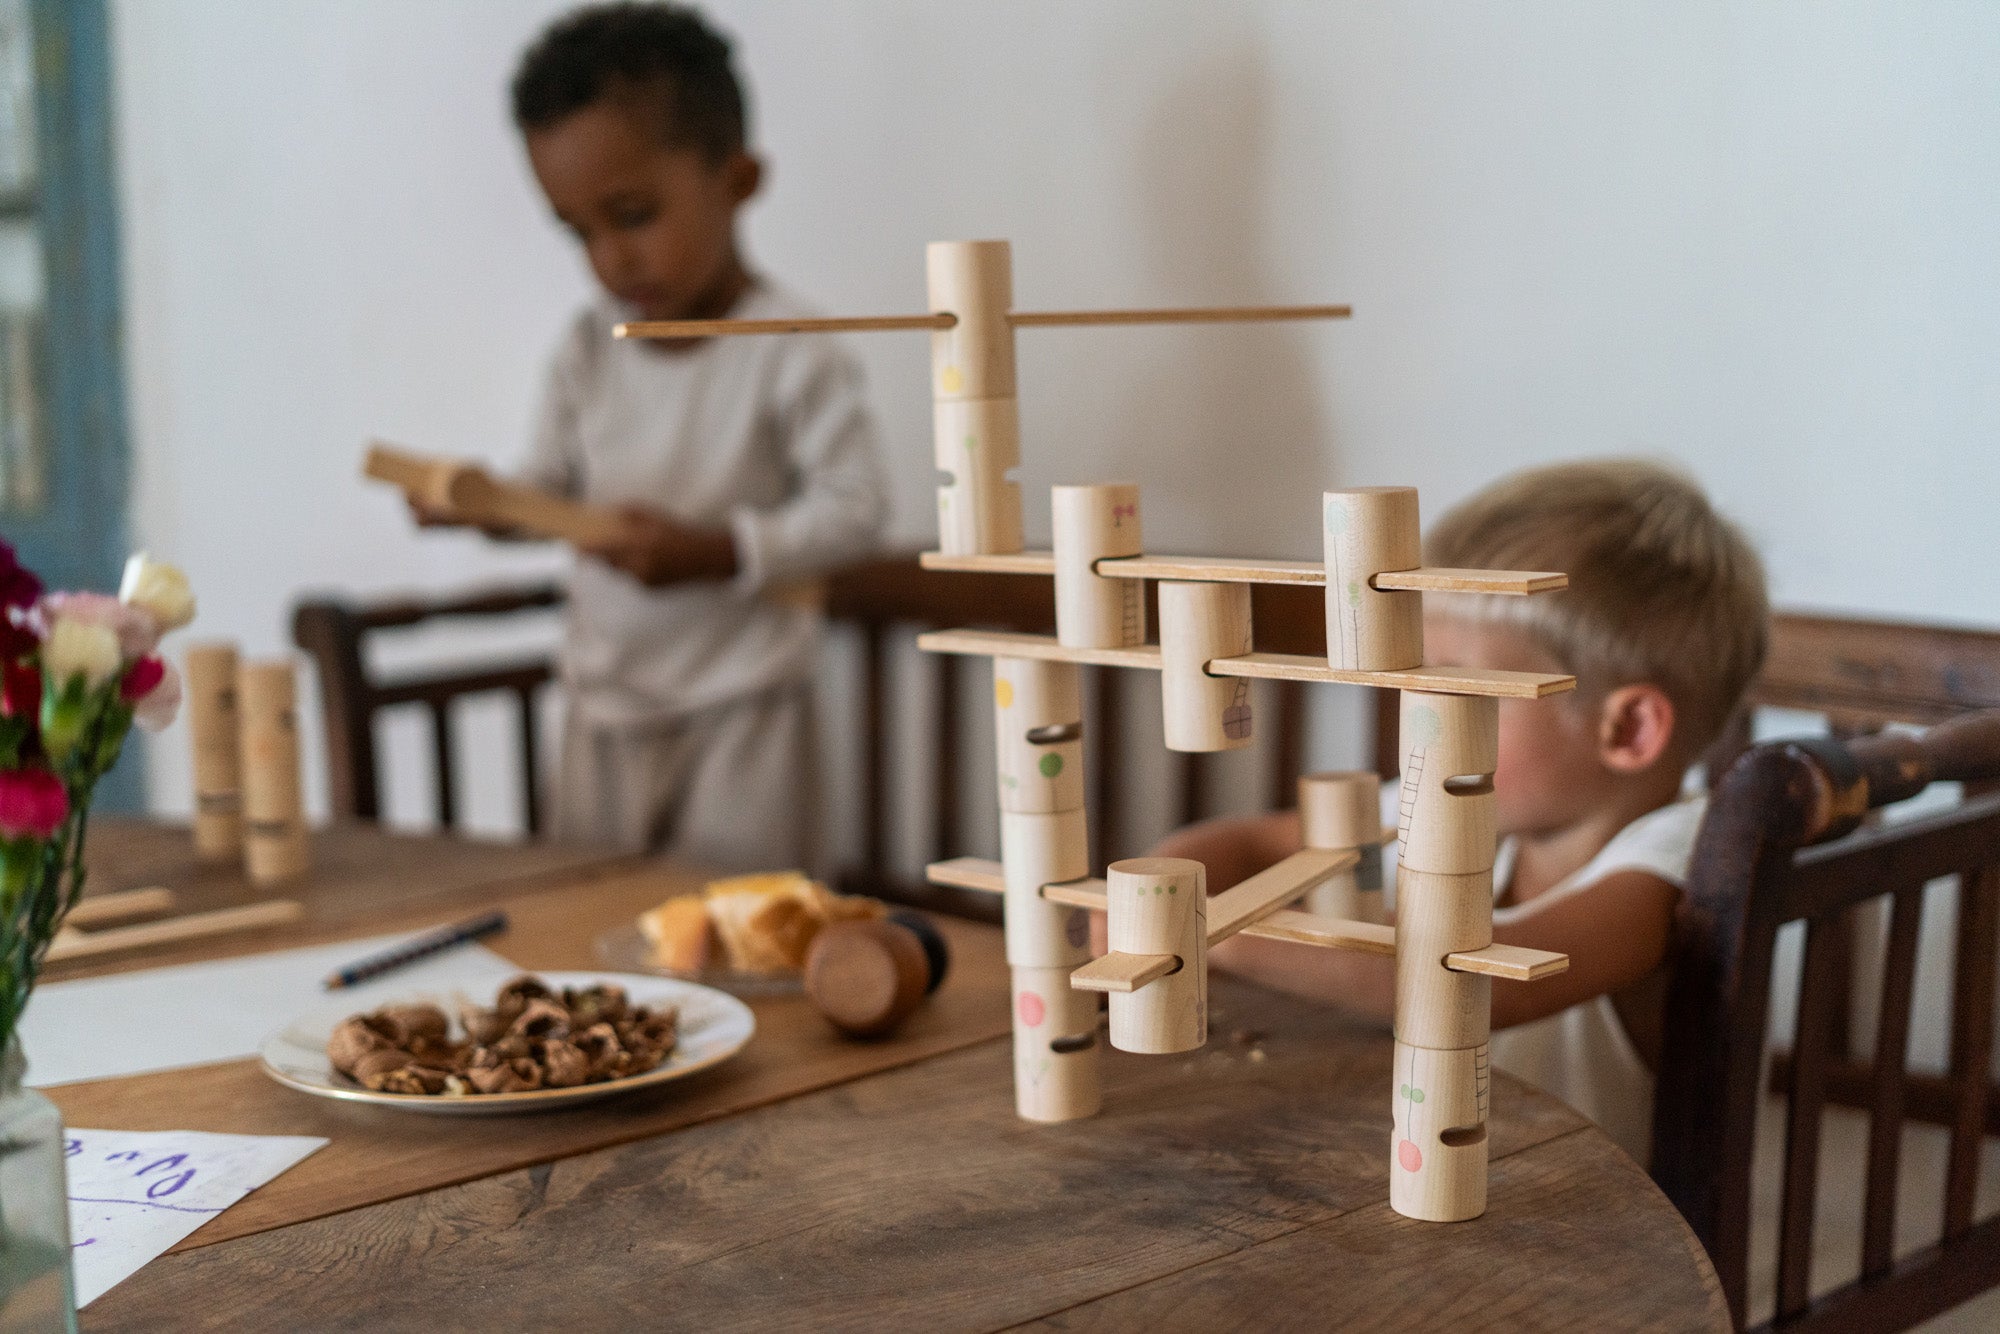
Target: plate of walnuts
(545, 1041)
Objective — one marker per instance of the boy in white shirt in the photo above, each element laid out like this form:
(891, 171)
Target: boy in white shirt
(736, 464)
(1663, 624)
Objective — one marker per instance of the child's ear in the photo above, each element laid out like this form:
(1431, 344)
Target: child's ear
(744, 174)
(1635, 728)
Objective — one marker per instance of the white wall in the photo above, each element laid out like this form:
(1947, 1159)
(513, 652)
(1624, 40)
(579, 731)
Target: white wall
(1754, 238)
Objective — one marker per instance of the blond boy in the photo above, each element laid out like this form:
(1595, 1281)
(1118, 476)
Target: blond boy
(1663, 625)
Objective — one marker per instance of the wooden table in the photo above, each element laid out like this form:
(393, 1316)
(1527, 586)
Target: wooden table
(1243, 1185)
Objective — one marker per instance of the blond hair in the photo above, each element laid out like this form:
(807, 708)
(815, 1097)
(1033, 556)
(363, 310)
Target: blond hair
(1662, 589)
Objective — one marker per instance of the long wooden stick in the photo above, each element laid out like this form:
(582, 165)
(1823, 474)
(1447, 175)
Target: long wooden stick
(1045, 319)
(71, 944)
(833, 324)
(1020, 319)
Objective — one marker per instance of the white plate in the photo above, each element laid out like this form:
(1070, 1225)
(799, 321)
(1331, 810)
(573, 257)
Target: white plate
(713, 1027)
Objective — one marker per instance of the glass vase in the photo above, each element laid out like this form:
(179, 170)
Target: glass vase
(36, 1295)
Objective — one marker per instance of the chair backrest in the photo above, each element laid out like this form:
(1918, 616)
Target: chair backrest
(335, 633)
(1784, 841)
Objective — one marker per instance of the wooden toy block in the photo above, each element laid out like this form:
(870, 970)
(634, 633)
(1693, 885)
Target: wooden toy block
(1056, 1052)
(1200, 623)
(104, 909)
(1159, 905)
(976, 418)
(1237, 570)
(1344, 810)
(1436, 916)
(977, 445)
(1304, 928)
(215, 735)
(1038, 850)
(973, 281)
(470, 492)
(1372, 531)
(1451, 746)
(1123, 972)
(275, 844)
(1092, 524)
(1242, 905)
(1437, 1169)
(1038, 722)
(1516, 963)
(71, 943)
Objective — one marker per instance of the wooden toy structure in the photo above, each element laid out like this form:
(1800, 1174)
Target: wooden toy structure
(1161, 919)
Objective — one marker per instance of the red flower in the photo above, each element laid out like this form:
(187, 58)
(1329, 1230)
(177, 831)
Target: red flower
(18, 588)
(32, 804)
(20, 690)
(141, 678)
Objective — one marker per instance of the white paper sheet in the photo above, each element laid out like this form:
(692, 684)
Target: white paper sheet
(200, 1013)
(133, 1194)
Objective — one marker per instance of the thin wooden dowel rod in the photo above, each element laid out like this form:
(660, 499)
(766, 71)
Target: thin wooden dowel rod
(832, 324)
(1044, 319)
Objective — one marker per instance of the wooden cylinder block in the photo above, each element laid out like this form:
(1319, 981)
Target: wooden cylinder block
(977, 442)
(1437, 1151)
(1159, 905)
(216, 735)
(1451, 746)
(1038, 724)
(973, 280)
(274, 818)
(866, 977)
(1093, 523)
(1341, 810)
(1198, 624)
(1037, 850)
(1438, 915)
(1370, 531)
(1056, 1052)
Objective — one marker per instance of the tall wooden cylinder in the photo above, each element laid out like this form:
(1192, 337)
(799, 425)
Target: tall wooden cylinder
(1437, 915)
(1056, 1052)
(1093, 523)
(976, 415)
(1370, 531)
(1437, 1151)
(1338, 811)
(215, 733)
(1451, 746)
(275, 842)
(1037, 850)
(1199, 623)
(1038, 726)
(1159, 905)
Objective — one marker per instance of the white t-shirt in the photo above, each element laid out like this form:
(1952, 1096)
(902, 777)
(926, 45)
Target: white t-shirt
(766, 436)
(1583, 1054)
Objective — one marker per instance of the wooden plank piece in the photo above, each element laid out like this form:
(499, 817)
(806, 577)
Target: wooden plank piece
(1516, 583)
(1304, 928)
(1078, 894)
(1012, 562)
(1007, 644)
(975, 873)
(1122, 972)
(830, 324)
(1214, 569)
(73, 944)
(1270, 889)
(1517, 963)
(99, 909)
(1438, 680)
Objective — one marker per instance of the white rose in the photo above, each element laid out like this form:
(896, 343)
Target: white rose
(78, 648)
(159, 589)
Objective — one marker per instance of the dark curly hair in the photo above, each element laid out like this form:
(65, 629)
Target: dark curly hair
(666, 55)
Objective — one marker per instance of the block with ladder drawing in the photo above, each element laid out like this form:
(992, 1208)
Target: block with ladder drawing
(1161, 919)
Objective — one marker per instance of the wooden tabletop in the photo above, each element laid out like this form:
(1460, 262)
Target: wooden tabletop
(1241, 1185)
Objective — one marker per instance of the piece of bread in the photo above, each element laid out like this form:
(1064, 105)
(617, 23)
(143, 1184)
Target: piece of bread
(680, 934)
(766, 922)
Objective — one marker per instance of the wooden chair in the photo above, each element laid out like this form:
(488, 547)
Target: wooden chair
(1780, 845)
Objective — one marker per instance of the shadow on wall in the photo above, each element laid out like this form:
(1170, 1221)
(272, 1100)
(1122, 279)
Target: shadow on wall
(1235, 405)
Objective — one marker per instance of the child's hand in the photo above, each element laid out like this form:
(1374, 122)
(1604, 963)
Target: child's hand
(659, 551)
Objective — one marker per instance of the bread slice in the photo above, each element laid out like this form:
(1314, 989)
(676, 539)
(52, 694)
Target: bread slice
(680, 934)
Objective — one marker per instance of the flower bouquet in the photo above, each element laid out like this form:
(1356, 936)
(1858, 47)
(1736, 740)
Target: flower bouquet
(77, 670)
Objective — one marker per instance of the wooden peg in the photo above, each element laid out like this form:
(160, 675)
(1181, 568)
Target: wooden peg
(977, 443)
(1451, 746)
(1344, 810)
(1159, 905)
(216, 736)
(1438, 915)
(1056, 1052)
(1371, 530)
(1038, 721)
(1037, 850)
(1198, 624)
(1094, 523)
(274, 819)
(1437, 1151)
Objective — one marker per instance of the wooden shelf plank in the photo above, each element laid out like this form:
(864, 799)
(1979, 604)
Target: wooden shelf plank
(1011, 562)
(1122, 972)
(1008, 644)
(1438, 680)
(1077, 893)
(975, 873)
(1514, 962)
(1214, 569)
(1236, 570)
(1305, 928)
(1262, 894)
(1517, 583)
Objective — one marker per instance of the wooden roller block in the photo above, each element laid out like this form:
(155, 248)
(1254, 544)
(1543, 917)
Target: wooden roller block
(866, 977)
(1159, 905)
(1370, 531)
(1093, 523)
(275, 844)
(1451, 746)
(1437, 915)
(1437, 1151)
(1037, 850)
(1344, 810)
(977, 442)
(216, 736)
(1038, 723)
(1198, 624)
(974, 281)
(1056, 1052)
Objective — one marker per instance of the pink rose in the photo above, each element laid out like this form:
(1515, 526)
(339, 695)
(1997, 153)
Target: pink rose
(140, 678)
(135, 627)
(32, 804)
(155, 706)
